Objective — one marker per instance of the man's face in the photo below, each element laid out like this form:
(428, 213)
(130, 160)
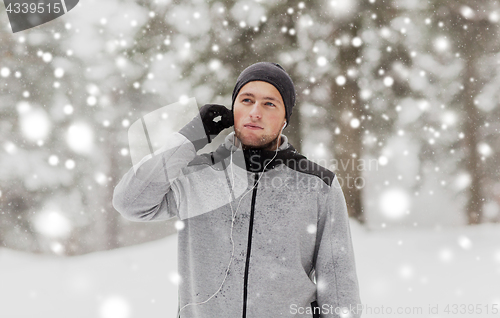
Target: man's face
(259, 115)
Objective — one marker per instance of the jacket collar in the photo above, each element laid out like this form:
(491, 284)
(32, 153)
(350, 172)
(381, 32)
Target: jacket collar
(256, 159)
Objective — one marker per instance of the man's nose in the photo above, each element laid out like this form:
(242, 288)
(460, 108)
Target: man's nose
(256, 112)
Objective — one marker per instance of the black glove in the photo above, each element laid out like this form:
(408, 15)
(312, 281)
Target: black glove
(201, 136)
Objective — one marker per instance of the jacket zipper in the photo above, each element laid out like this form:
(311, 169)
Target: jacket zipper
(249, 247)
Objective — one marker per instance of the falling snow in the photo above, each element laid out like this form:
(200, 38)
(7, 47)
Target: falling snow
(71, 92)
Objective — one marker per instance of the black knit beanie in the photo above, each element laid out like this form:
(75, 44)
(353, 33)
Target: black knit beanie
(274, 74)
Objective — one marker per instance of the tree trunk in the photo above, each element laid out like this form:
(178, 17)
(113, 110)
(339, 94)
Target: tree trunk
(471, 126)
(347, 148)
(347, 145)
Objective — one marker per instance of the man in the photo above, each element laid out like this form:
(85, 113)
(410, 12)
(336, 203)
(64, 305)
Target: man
(264, 236)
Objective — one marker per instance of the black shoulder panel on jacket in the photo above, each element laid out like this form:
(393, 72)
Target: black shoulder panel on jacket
(300, 163)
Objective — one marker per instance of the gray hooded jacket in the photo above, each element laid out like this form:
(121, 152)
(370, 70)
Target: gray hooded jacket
(254, 242)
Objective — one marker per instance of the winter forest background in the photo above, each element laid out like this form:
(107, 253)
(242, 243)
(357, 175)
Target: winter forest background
(401, 94)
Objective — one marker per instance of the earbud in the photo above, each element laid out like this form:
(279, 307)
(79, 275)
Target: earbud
(283, 126)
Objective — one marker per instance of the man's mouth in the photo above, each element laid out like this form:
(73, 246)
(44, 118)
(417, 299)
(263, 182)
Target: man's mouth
(252, 126)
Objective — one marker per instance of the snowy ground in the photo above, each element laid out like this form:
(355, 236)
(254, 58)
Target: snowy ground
(408, 269)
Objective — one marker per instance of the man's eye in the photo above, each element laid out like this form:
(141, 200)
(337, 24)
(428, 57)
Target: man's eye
(246, 99)
(270, 104)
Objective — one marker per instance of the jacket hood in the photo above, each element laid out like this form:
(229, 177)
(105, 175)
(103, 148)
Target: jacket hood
(254, 160)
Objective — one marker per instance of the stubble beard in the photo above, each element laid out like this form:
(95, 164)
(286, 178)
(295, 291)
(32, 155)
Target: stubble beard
(267, 142)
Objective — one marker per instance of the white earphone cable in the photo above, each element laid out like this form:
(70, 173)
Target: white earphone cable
(234, 218)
